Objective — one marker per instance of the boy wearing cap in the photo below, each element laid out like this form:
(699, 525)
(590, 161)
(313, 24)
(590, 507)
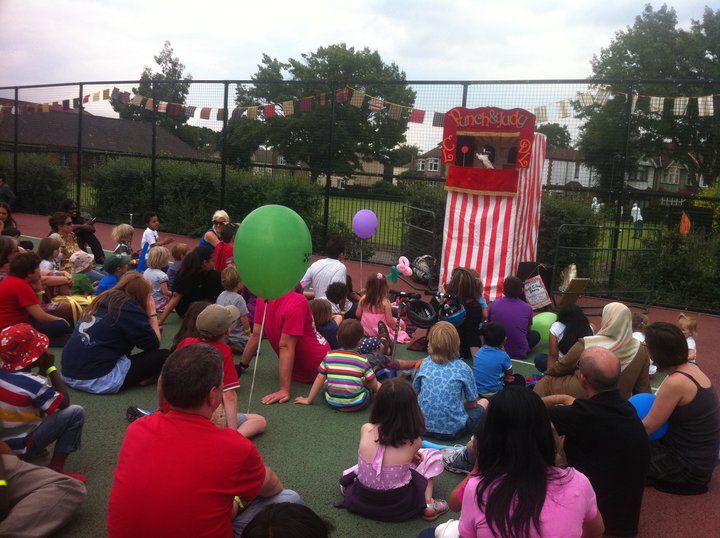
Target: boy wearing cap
(81, 262)
(116, 265)
(34, 413)
(214, 324)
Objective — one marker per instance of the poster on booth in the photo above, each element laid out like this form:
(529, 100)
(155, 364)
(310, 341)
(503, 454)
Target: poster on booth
(535, 293)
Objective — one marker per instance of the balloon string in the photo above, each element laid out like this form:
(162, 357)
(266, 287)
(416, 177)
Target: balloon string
(257, 355)
(362, 282)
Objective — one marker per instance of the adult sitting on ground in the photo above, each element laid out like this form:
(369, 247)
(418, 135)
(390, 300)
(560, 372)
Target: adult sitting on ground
(682, 461)
(7, 222)
(571, 325)
(324, 272)
(184, 467)
(19, 301)
(62, 225)
(84, 231)
(196, 281)
(615, 335)
(290, 329)
(212, 237)
(6, 193)
(98, 357)
(516, 316)
(605, 440)
(36, 501)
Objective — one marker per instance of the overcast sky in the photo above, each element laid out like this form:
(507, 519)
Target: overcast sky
(69, 40)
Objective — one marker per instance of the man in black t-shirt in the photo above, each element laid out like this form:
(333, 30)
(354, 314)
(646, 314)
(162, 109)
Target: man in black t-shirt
(605, 440)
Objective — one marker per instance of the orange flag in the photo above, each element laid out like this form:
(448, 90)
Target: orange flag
(685, 224)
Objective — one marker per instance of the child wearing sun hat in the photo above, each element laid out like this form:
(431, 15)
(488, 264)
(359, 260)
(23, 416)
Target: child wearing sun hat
(35, 409)
(81, 262)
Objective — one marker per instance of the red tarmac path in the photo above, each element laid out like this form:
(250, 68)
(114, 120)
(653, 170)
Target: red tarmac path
(663, 514)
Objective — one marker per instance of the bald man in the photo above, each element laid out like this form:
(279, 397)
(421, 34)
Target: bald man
(605, 440)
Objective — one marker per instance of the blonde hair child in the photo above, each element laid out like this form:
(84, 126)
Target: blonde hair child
(157, 258)
(688, 326)
(122, 234)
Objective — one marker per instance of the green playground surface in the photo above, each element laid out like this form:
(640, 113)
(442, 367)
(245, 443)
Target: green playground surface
(308, 447)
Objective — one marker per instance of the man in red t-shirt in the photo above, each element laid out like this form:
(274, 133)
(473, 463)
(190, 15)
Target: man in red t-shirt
(290, 329)
(180, 475)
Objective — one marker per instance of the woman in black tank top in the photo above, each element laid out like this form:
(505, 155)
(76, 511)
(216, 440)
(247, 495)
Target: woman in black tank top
(683, 460)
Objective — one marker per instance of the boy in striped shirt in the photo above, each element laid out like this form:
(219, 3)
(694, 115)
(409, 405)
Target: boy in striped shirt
(346, 375)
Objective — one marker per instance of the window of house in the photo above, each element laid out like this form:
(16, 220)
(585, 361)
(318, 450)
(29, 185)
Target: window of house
(281, 160)
(666, 201)
(66, 159)
(421, 165)
(672, 175)
(433, 165)
(577, 170)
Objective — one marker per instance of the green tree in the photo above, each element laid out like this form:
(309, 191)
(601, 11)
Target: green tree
(558, 136)
(655, 48)
(171, 69)
(244, 137)
(358, 133)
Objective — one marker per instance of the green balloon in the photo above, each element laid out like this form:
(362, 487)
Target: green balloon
(272, 250)
(541, 323)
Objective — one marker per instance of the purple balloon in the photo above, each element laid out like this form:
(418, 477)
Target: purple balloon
(365, 223)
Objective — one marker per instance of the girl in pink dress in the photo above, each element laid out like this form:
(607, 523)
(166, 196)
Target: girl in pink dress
(393, 480)
(375, 307)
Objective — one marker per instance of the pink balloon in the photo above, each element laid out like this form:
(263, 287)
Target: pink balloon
(403, 266)
(364, 223)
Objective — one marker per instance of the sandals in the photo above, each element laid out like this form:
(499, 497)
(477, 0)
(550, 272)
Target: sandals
(439, 508)
(384, 336)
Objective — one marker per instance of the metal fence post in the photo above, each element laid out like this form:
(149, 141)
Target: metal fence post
(619, 190)
(15, 142)
(465, 90)
(153, 158)
(329, 166)
(223, 155)
(78, 171)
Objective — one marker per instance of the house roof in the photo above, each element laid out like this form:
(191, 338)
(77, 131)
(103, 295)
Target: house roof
(563, 154)
(433, 153)
(58, 130)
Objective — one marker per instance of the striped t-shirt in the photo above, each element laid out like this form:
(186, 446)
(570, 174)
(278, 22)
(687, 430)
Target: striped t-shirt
(346, 372)
(23, 399)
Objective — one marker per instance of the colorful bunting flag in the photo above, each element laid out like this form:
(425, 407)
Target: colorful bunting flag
(306, 104)
(56, 105)
(86, 98)
(124, 97)
(174, 110)
(66, 104)
(705, 106)
(162, 106)
(680, 106)
(205, 113)
(46, 107)
(376, 103)
(438, 119)
(115, 94)
(633, 104)
(269, 111)
(288, 107)
(394, 111)
(417, 115)
(341, 96)
(76, 102)
(149, 104)
(106, 94)
(322, 98)
(656, 104)
(601, 96)
(564, 107)
(541, 114)
(190, 111)
(137, 100)
(237, 113)
(252, 112)
(585, 98)
(220, 114)
(357, 98)
(96, 96)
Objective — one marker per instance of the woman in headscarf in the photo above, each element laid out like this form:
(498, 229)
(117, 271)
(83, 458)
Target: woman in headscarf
(615, 335)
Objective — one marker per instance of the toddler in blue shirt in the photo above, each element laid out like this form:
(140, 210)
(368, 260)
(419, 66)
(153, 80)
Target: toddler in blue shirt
(492, 366)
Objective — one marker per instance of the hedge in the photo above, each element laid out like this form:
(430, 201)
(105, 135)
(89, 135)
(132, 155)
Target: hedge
(42, 185)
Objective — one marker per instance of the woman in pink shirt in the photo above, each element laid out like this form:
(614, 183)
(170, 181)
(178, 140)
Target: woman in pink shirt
(515, 490)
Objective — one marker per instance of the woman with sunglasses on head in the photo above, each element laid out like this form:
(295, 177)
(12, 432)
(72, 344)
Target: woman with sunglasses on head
(84, 230)
(61, 224)
(212, 236)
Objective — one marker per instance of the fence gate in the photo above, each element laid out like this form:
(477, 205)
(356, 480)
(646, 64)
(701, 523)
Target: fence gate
(609, 257)
(420, 236)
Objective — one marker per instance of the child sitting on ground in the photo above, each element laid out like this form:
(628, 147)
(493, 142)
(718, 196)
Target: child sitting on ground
(116, 265)
(240, 330)
(337, 294)
(213, 324)
(349, 376)
(492, 367)
(639, 324)
(49, 252)
(158, 258)
(178, 251)
(375, 307)
(466, 286)
(325, 322)
(446, 387)
(393, 480)
(688, 326)
(223, 255)
(122, 234)
(81, 263)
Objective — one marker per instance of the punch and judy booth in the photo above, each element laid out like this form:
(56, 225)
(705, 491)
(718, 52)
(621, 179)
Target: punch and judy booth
(492, 213)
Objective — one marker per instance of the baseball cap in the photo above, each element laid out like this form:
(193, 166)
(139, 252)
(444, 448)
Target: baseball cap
(20, 346)
(81, 260)
(115, 261)
(216, 319)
